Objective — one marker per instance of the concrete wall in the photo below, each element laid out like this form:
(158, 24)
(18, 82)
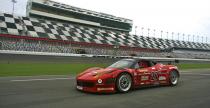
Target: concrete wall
(20, 58)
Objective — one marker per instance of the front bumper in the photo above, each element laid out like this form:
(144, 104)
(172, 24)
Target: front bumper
(94, 87)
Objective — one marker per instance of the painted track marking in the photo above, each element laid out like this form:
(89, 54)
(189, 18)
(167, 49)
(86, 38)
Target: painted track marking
(46, 79)
(202, 74)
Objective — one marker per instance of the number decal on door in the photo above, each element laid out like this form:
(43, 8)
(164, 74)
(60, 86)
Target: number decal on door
(154, 75)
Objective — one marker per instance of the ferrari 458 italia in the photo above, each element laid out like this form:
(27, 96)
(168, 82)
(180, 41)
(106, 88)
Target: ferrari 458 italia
(126, 74)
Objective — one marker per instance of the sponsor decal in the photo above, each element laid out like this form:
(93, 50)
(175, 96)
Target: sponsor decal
(79, 87)
(163, 81)
(173, 67)
(98, 74)
(100, 89)
(163, 69)
(146, 73)
(154, 75)
(143, 70)
(94, 72)
(147, 83)
(143, 78)
(135, 74)
(156, 83)
(162, 78)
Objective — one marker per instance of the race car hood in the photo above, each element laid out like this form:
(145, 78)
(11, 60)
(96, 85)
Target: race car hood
(95, 72)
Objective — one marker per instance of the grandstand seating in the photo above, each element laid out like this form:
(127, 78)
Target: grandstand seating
(71, 32)
(191, 53)
(42, 46)
(42, 28)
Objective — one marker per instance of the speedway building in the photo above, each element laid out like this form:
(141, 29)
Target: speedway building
(55, 27)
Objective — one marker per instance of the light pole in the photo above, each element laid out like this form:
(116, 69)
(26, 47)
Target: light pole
(188, 37)
(172, 35)
(135, 29)
(183, 36)
(142, 31)
(161, 34)
(178, 36)
(206, 39)
(154, 33)
(148, 31)
(13, 6)
(198, 38)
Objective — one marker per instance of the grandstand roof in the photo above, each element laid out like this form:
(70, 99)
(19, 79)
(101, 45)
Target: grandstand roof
(47, 8)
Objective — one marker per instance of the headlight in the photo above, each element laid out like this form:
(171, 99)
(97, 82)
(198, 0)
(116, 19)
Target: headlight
(100, 81)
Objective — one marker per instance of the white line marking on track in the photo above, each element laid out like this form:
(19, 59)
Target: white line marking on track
(47, 79)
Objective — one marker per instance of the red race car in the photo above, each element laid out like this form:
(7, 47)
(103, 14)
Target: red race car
(126, 74)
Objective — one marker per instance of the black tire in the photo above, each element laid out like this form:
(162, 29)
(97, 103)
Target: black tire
(124, 82)
(173, 78)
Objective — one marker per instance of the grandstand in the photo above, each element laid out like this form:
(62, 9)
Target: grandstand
(46, 9)
(54, 27)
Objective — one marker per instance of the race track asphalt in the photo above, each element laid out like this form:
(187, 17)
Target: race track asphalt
(193, 91)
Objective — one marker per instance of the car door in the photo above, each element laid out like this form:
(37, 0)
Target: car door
(162, 73)
(154, 75)
(143, 75)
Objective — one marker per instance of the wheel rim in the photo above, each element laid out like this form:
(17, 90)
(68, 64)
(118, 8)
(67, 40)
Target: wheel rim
(124, 82)
(174, 78)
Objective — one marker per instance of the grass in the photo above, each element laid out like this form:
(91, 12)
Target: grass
(30, 69)
(193, 66)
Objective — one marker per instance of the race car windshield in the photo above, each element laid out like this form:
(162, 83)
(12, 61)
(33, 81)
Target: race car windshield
(122, 64)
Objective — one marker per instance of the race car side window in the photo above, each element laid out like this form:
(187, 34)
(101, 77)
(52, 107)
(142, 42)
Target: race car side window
(152, 63)
(144, 64)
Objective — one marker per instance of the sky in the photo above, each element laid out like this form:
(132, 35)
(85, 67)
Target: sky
(188, 17)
